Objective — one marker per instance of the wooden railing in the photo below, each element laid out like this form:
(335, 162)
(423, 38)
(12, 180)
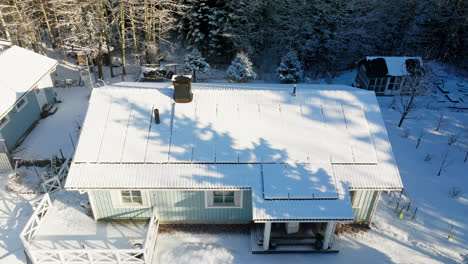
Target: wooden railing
(55, 183)
(91, 256)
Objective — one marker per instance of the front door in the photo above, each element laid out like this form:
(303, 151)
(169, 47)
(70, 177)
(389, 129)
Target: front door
(41, 98)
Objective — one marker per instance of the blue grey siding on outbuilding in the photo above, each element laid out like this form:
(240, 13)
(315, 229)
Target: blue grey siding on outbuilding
(173, 205)
(50, 94)
(368, 203)
(20, 121)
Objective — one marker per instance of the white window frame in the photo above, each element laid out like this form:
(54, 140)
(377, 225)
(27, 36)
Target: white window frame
(116, 197)
(2, 125)
(238, 195)
(25, 103)
(356, 198)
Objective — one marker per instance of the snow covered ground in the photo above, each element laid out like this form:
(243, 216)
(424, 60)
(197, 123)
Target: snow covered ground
(15, 211)
(391, 239)
(57, 131)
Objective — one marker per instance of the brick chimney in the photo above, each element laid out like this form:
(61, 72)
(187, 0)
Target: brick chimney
(182, 88)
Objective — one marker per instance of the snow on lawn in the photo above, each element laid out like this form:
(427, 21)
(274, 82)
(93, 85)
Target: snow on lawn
(15, 211)
(53, 133)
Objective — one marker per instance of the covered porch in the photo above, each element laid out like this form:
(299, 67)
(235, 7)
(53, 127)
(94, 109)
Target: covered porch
(293, 237)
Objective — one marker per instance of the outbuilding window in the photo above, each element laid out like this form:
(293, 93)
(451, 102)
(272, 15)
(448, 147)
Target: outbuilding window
(3, 121)
(21, 103)
(223, 199)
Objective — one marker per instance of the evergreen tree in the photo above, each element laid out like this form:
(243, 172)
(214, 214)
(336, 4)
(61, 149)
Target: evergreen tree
(241, 69)
(290, 68)
(195, 62)
(202, 25)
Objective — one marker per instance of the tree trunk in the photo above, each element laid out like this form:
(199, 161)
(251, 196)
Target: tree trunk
(159, 37)
(403, 116)
(147, 33)
(62, 47)
(4, 26)
(132, 22)
(110, 56)
(100, 58)
(23, 18)
(122, 28)
(49, 30)
(194, 77)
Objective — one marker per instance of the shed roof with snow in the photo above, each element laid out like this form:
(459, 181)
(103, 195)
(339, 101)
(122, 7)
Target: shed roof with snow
(20, 70)
(310, 147)
(377, 66)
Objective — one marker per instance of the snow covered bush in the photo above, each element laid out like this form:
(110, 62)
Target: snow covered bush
(241, 69)
(290, 68)
(195, 62)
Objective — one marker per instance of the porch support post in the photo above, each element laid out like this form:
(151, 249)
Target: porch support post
(266, 235)
(328, 235)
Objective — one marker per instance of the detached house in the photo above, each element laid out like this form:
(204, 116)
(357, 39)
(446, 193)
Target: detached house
(386, 75)
(26, 88)
(291, 165)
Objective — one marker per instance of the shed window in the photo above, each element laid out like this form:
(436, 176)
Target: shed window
(21, 103)
(223, 199)
(3, 121)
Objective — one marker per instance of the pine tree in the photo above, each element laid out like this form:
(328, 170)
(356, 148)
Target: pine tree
(290, 68)
(241, 69)
(195, 62)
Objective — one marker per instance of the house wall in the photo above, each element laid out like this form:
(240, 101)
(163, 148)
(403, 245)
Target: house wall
(368, 203)
(172, 206)
(21, 121)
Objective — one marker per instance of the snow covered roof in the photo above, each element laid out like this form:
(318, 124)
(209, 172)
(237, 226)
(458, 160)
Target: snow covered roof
(20, 70)
(291, 151)
(396, 66)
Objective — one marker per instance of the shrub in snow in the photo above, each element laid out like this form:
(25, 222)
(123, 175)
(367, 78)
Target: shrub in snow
(290, 68)
(241, 69)
(456, 192)
(195, 62)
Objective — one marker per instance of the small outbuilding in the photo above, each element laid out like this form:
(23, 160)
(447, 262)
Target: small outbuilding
(26, 90)
(386, 75)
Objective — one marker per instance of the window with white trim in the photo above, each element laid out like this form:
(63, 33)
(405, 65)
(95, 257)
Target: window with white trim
(21, 103)
(129, 198)
(356, 198)
(3, 121)
(223, 199)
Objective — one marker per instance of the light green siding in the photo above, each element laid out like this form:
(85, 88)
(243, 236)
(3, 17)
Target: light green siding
(173, 205)
(369, 200)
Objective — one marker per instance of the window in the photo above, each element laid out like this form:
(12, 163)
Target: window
(3, 121)
(129, 199)
(221, 199)
(21, 103)
(356, 198)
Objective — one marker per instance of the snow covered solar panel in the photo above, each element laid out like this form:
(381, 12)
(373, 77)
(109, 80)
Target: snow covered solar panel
(299, 181)
(359, 135)
(226, 129)
(337, 135)
(202, 133)
(182, 141)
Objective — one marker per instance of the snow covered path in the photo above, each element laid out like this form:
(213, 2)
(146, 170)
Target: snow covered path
(15, 211)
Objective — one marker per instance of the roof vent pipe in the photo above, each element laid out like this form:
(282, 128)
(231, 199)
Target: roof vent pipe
(156, 116)
(294, 90)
